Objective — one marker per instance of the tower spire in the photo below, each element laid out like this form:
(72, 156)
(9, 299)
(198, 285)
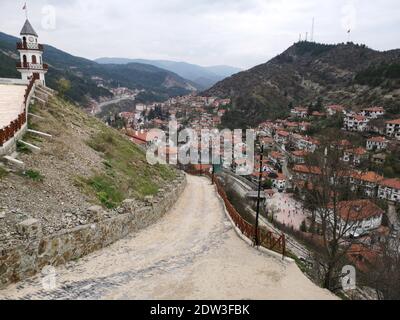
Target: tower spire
(25, 8)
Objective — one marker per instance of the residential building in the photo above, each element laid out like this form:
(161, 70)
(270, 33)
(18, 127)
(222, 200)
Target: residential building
(299, 112)
(373, 113)
(389, 189)
(303, 172)
(282, 137)
(279, 182)
(335, 109)
(355, 122)
(355, 156)
(393, 129)
(358, 217)
(367, 182)
(277, 158)
(377, 143)
(298, 156)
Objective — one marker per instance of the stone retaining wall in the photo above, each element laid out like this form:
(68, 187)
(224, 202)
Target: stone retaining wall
(26, 260)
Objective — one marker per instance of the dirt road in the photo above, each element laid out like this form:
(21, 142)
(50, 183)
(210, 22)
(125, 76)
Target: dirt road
(192, 253)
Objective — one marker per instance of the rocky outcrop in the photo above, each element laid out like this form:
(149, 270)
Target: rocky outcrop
(38, 251)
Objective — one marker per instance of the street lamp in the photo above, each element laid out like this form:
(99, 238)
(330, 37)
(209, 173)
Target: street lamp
(256, 238)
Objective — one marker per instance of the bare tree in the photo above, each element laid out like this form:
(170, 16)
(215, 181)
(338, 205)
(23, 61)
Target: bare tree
(328, 194)
(385, 274)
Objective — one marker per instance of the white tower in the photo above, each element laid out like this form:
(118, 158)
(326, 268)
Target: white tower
(31, 62)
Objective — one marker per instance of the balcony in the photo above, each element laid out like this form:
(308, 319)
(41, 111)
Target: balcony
(29, 46)
(32, 66)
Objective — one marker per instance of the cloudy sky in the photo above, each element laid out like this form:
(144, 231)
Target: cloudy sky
(241, 33)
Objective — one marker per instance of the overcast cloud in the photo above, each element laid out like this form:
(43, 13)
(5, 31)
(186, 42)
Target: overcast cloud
(241, 33)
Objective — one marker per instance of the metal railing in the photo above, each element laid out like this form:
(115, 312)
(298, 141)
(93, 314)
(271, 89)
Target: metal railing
(267, 239)
(32, 66)
(29, 46)
(10, 130)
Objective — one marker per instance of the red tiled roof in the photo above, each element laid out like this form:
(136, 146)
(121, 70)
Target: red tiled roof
(358, 210)
(397, 121)
(374, 109)
(336, 107)
(300, 153)
(283, 133)
(359, 117)
(367, 176)
(391, 183)
(281, 176)
(377, 139)
(276, 155)
(358, 151)
(306, 169)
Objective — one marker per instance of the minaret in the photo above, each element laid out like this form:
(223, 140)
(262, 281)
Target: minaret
(31, 62)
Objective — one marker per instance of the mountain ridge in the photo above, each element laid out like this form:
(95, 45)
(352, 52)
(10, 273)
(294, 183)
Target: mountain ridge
(80, 72)
(204, 77)
(305, 72)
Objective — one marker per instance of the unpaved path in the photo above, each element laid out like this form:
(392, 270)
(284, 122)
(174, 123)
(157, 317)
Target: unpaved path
(192, 253)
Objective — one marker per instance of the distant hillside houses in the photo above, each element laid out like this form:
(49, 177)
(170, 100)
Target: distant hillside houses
(393, 129)
(299, 112)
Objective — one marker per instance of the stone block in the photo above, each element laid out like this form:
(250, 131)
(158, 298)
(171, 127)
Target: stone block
(95, 213)
(29, 229)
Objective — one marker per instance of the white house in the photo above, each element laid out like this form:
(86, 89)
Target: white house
(367, 182)
(373, 113)
(276, 158)
(279, 182)
(389, 189)
(357, 217)
(393, 129)
(335, 109)
(282, 137)
(354, 156)
(377, 143)
(299, 112)
(355, 122)
(305, 142)
(31, 61)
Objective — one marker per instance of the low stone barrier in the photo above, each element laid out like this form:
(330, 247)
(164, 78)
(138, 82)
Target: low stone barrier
(26, 260)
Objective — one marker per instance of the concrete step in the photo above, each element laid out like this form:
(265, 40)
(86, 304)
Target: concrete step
(40, 133)
(47, 89)
(39, 100)
(35, 116)
(29, 145)
(14, 162)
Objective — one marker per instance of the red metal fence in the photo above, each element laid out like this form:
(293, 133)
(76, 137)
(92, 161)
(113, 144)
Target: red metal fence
(268, 239)
(9, 131)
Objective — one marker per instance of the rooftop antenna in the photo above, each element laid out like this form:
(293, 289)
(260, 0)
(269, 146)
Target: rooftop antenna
(312, 29)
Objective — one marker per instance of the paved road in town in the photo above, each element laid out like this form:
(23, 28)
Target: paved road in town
(191, 253)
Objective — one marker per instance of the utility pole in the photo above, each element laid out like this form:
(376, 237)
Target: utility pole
(256, 238)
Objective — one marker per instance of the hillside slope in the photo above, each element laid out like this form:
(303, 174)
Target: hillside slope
(204, 77)
(341, 74)
(161, 83)
(86, 163)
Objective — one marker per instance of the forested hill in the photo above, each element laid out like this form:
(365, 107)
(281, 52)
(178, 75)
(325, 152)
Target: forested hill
(158, 82)
(306, 72)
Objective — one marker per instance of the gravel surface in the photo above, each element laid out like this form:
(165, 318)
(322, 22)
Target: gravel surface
(192, 253)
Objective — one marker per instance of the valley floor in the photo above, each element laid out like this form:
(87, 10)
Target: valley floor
(192, 253)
